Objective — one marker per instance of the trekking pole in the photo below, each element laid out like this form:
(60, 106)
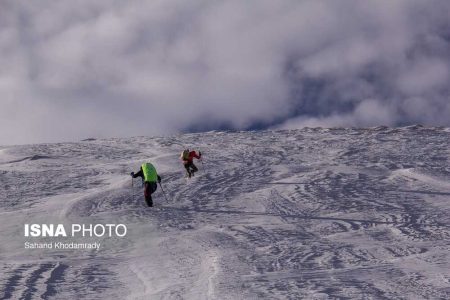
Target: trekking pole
(165, 197)
(201, 159)
(203, 165)
(132, 187)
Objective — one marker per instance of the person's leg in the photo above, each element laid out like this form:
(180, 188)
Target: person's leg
(153, 187)
(148, 194)
(194, 169)
(188, 171)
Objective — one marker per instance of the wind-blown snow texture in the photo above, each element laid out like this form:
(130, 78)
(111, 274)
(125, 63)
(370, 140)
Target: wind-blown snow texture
(312, 213)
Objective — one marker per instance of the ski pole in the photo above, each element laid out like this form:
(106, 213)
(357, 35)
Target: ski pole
(165, 197)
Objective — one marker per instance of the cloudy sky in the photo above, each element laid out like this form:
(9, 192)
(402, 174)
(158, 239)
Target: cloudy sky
(105, 68)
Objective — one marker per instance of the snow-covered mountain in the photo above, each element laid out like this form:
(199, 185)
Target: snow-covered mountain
(301, 214)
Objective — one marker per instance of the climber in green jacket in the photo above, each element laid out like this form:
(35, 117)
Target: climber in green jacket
(150, 177)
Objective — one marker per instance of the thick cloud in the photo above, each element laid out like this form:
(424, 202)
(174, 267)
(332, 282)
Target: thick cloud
(73, 69)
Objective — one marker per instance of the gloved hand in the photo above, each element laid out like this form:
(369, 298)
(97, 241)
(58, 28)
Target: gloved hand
(132, 174)
(159, 179)
(199, 154)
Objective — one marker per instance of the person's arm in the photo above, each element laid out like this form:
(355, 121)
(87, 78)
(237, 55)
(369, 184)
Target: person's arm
(138, 174)
(197, 156)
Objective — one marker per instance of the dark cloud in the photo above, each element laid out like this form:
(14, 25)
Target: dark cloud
(72, 69)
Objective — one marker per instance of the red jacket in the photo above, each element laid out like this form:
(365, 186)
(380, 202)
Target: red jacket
(191, 156)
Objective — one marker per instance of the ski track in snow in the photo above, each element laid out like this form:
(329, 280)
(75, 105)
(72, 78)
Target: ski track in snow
(299, 214)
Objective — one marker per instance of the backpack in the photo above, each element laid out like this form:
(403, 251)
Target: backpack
(184, 155)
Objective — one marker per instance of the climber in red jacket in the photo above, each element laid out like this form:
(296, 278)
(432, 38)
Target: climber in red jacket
(188, 160)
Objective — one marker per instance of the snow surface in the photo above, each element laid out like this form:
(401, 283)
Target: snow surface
(301, 214)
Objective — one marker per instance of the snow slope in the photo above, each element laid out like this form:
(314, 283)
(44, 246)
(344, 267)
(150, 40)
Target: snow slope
(301, 214)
